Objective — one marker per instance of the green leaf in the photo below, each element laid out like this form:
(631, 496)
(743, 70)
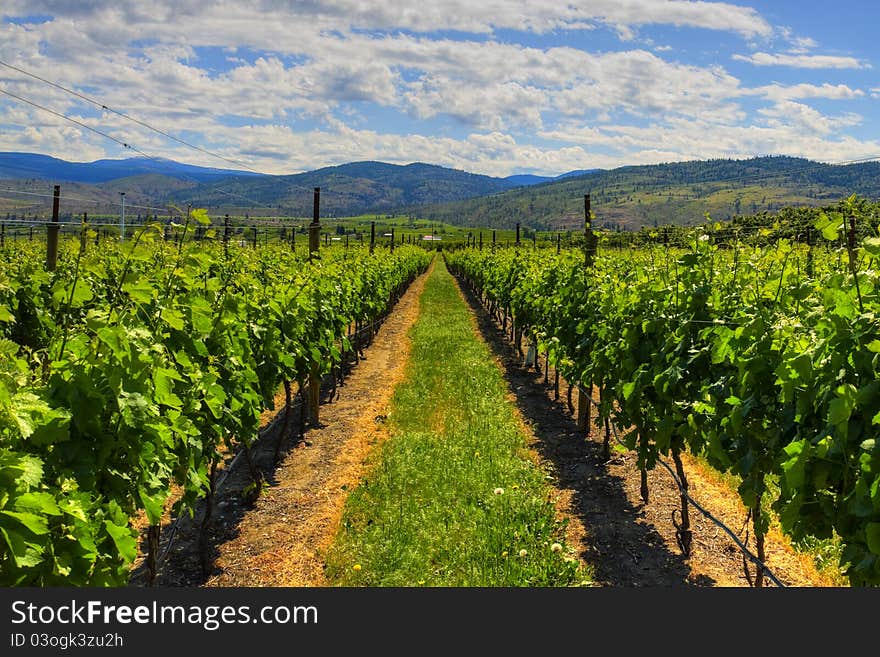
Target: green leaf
(51, 427)
(140, 291)
(40, 502)
(840, 409)
(82, 294)
(36, 524)
(872, 534)
(173, 318)
(114, 338)
(163, 379)
(5, 314)
(201, 215)
(124, 539)
(24, 554)
(153, 505)
(794, 468)
(872, 245)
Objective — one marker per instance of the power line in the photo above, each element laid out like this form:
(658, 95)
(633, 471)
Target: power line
(154, 129)
(128, 117)
(83, 200)
(118, 141)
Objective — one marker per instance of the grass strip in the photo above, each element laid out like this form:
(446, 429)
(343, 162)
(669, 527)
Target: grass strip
(452, 497)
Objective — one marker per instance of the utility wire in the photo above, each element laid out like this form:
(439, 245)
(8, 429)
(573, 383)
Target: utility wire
(159, 131)
(128, 117)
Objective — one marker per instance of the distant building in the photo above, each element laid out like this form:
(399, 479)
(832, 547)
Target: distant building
(431, 238)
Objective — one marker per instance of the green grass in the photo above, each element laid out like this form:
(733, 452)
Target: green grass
(451, 498)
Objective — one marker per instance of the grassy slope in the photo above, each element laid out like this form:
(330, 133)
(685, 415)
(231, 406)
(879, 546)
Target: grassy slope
(431, 512)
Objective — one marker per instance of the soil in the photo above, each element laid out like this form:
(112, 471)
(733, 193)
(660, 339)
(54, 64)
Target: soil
(279, 537)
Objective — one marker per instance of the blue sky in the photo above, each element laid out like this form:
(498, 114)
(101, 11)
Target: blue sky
(495, 86)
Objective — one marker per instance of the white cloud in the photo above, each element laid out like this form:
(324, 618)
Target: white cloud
(790, 114)
(484, 16)
(777, 92)
(801, 61)
(510, 107)
(699, 139)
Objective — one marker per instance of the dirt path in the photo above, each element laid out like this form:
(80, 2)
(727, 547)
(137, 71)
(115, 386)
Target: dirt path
(627, 542)
(278, 540)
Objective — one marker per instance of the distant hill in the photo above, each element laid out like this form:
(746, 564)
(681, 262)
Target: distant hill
(525, 179)
(33, 165)
(349, 189)
(624, 198)
(677, 193)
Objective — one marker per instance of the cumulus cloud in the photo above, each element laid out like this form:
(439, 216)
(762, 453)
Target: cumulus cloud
(285, 86)
(801, 61)
(461, 15)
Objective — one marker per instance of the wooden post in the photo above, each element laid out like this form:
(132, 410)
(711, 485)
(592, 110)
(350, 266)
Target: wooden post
(314, 392)
(481, 240)
(558, 243)
(583, 410)
(809, 252)
(493, 239)
(517, 233)
(82, 232)
(392, 239)
(315, 226)
(314, 400)
(590, 239)
(225, 236)
(372, 236)
(2, 235)
(52, 232)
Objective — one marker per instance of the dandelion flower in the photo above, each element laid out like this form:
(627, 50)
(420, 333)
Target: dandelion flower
(556, 547)
(523, 553)
(499, 491)
(516, 487)
(356, 568)
(504, 554)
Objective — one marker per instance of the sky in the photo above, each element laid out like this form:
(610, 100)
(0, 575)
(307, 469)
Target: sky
(496, 87)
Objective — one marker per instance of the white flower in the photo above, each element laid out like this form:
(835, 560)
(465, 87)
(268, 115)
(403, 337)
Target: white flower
(523, 553)
(556, 547)
(499, 491)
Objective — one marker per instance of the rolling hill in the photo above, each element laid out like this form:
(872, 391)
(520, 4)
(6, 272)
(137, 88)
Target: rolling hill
(678, 193)
(44, 167)
(352, 188)
(624, 198)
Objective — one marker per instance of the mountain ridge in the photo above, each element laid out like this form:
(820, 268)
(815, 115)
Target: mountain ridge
(623, 198)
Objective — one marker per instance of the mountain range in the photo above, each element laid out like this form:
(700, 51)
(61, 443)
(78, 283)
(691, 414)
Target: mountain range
(623, 198)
